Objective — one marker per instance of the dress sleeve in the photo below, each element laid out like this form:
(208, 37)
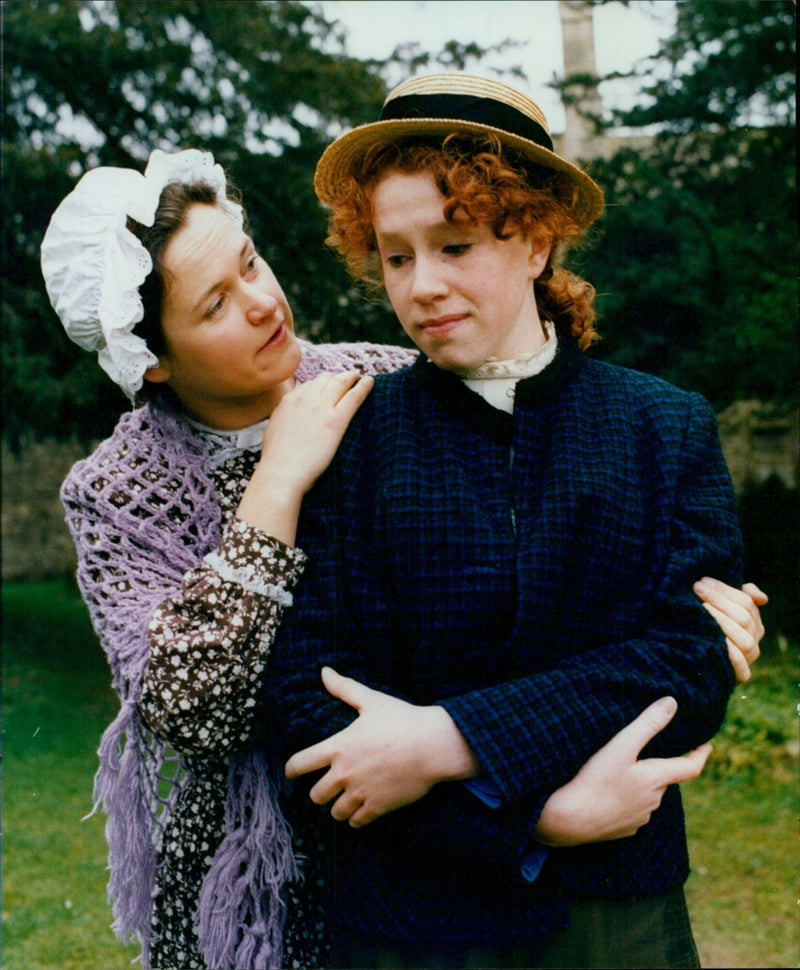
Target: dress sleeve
(145, 582)
(210, 640)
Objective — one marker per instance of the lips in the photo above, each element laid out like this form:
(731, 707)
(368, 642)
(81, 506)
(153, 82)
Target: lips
(441, 326)
(276, 338)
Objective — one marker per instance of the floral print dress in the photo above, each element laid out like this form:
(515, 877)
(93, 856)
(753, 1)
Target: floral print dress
(209, 651)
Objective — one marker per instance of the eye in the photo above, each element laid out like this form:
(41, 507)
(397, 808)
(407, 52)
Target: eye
(251, 262)
(216, 307)
(456, 249)
(396, 261)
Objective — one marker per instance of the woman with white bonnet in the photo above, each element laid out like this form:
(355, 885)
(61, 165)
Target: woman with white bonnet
(184, 523)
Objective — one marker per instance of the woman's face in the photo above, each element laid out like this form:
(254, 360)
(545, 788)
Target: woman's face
(461, 294)
(230, 352)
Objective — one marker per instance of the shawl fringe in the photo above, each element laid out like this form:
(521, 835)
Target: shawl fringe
(241, 912)
(119, 789)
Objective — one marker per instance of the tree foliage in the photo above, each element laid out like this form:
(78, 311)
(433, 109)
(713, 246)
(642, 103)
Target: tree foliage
(697, 267)
(695, 263)
(263, 85)
(731, 65)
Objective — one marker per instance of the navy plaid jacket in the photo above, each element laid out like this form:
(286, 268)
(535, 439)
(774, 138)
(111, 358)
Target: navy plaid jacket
(533, 573)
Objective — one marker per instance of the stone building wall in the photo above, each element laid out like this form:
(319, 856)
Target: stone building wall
(35, 541)
(760, 439)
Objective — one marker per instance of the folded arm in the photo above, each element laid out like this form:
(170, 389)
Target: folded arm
(534, 734)
(526, 736)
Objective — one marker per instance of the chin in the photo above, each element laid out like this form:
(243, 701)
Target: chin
(455, 364)
(291, 356)
(295, 351)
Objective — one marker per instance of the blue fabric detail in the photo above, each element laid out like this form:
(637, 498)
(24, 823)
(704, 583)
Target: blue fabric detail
(533, 862)
(486, 790)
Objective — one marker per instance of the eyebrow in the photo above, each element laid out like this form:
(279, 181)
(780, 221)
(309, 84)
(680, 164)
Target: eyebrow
(248, 242)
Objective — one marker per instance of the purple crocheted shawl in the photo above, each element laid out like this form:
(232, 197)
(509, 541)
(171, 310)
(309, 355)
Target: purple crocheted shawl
(142, 511)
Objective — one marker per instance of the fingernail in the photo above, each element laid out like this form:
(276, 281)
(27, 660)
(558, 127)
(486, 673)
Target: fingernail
(668, 706)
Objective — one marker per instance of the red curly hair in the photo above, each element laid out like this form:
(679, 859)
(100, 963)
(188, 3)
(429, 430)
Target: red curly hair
(489, 184)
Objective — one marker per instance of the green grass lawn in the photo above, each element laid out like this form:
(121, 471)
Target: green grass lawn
(56, 703)
(742, 824)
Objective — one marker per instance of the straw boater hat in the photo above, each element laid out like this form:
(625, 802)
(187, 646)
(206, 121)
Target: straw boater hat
(445, 104)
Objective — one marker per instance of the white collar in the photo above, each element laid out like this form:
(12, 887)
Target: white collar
(223, 445)
(496, 380)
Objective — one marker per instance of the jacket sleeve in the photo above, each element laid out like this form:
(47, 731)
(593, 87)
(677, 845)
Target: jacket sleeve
(325, 628)
(533, 734)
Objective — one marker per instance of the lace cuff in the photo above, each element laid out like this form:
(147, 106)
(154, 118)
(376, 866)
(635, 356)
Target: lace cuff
(257, 562)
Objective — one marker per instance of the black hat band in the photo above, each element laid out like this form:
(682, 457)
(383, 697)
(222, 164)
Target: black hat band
(465, 107)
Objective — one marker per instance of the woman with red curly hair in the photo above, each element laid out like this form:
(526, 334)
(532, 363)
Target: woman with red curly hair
(507, 541)
(480, 184)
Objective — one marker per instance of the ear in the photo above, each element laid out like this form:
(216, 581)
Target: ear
(538, 255)
(159, 374)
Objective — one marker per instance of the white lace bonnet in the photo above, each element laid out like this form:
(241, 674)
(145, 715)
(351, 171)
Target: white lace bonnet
(93, 265)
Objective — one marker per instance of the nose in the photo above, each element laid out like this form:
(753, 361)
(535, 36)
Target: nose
(260, 305)
(428, 281)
